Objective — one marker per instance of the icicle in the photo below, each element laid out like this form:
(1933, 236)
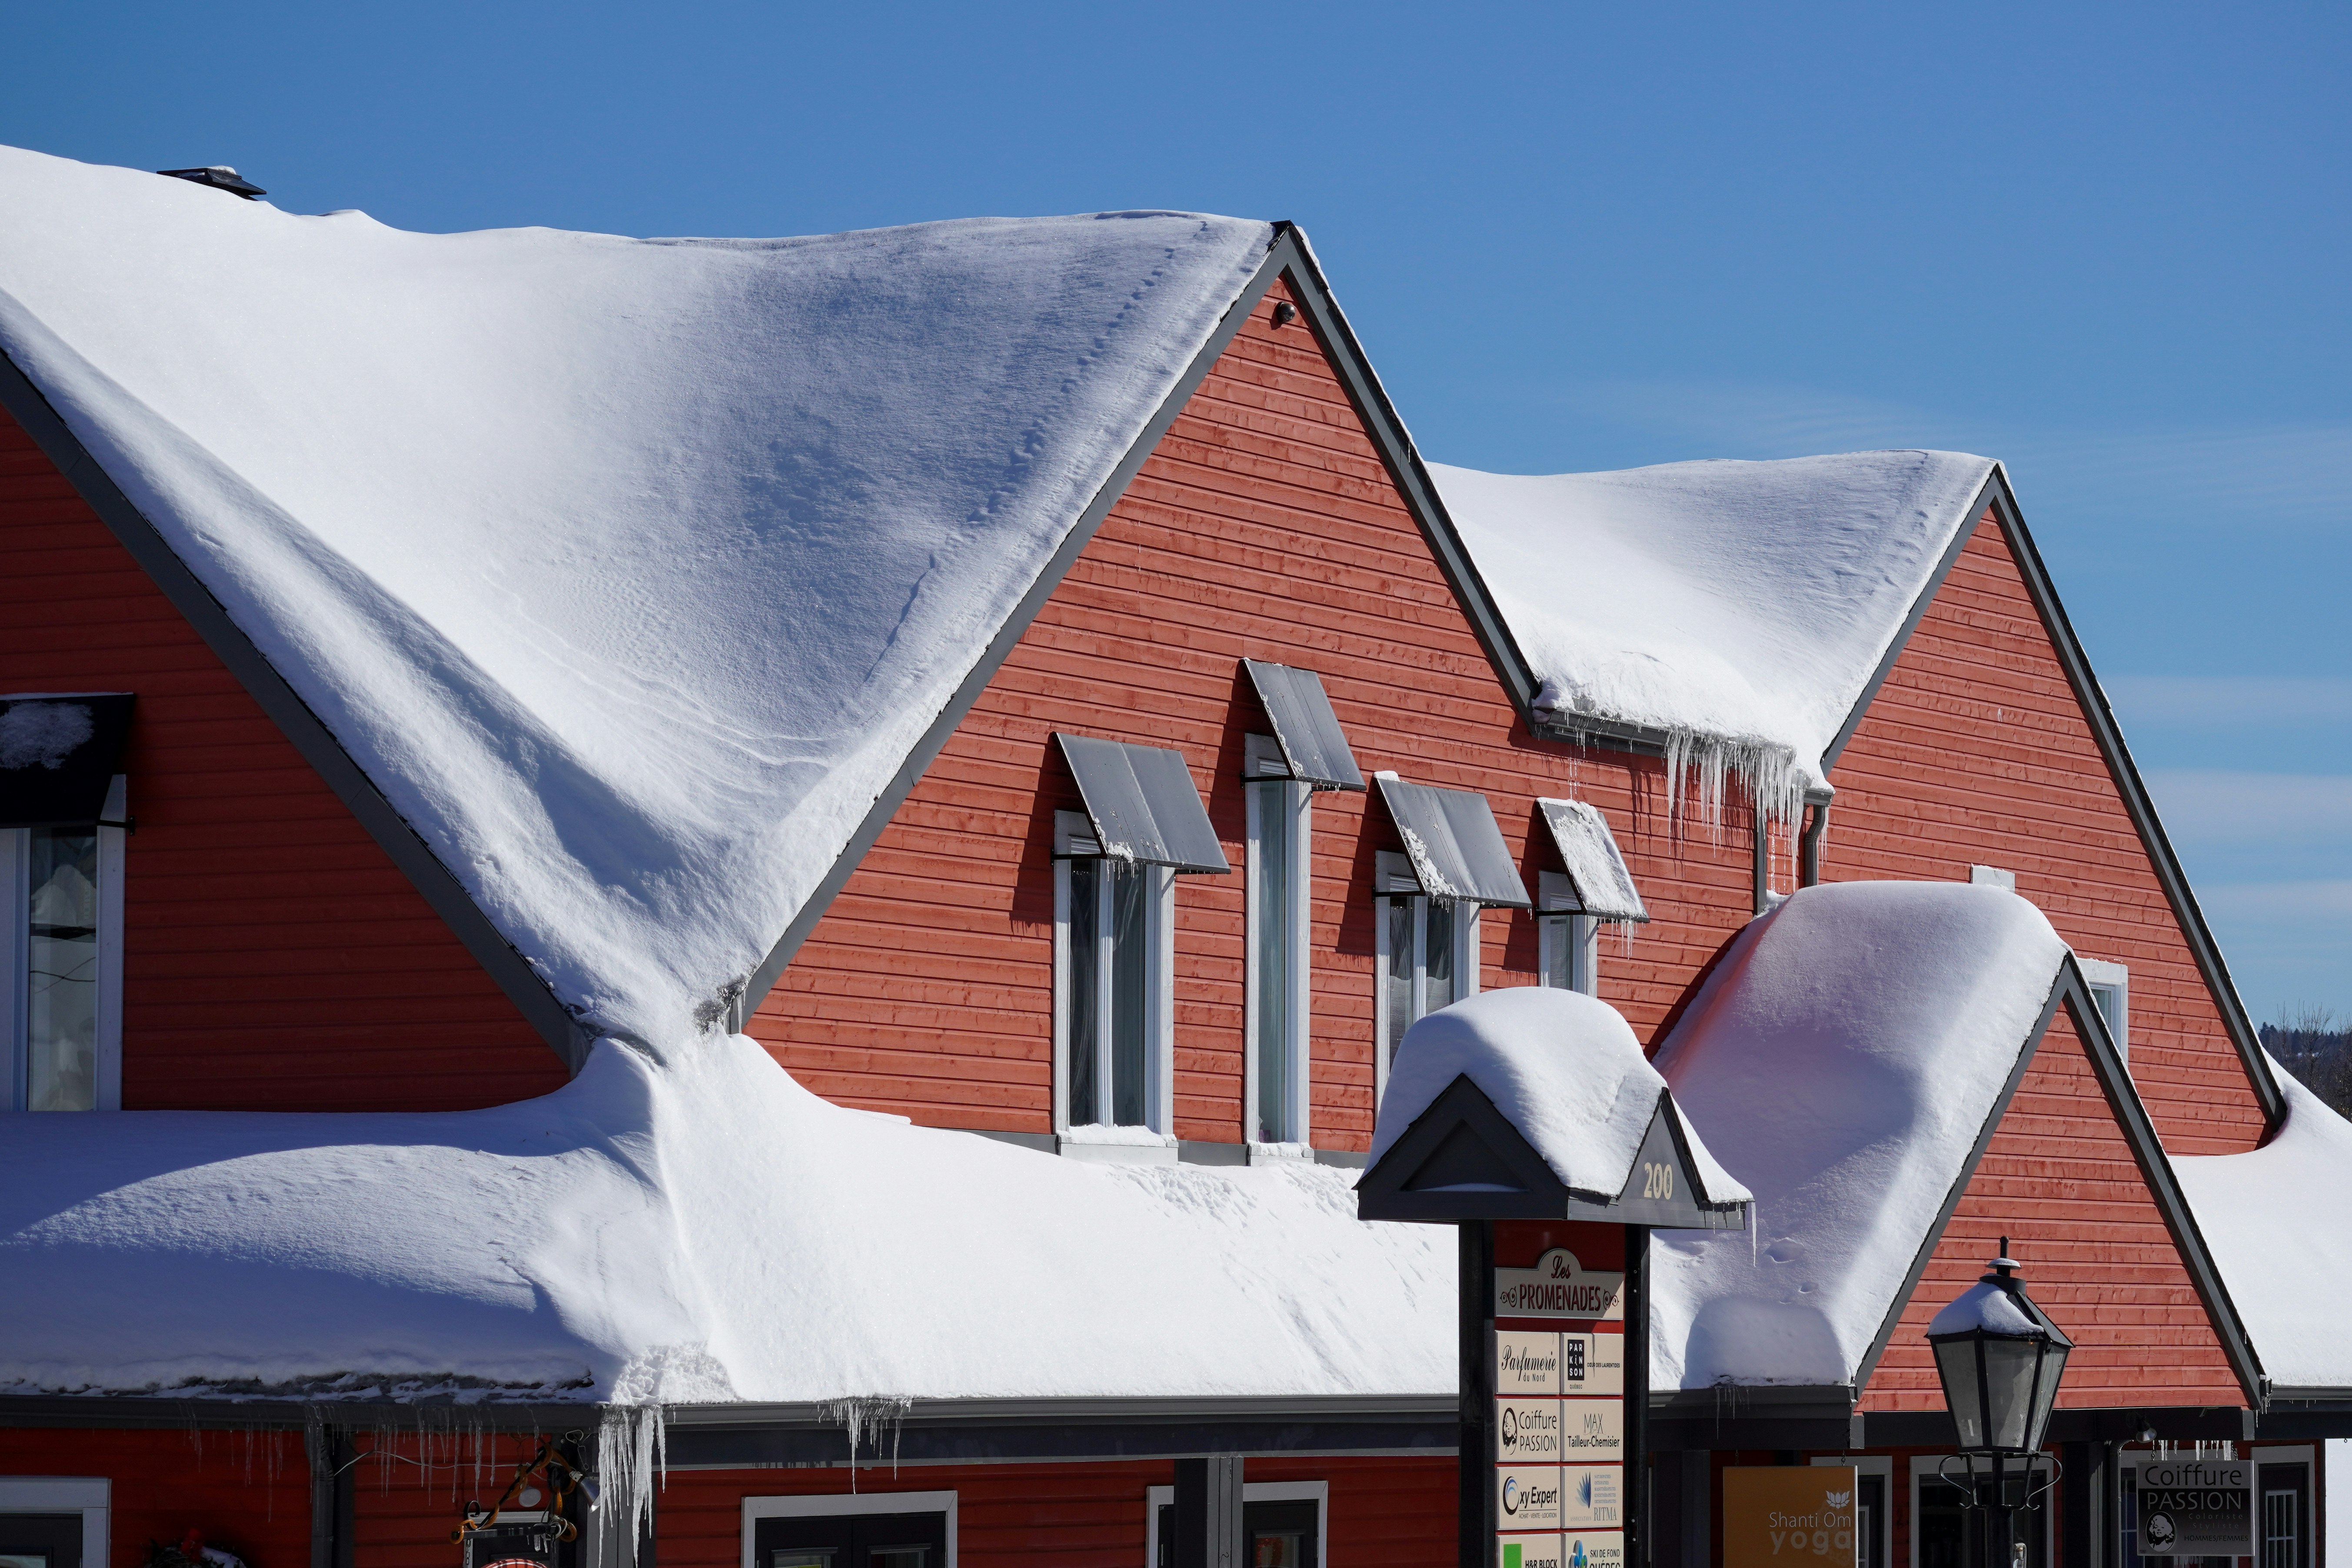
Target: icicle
(632, 1453)
(860, 1416)
(1768, 772)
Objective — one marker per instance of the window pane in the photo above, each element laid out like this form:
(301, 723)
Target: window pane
(1398, 913)
(1086, 981)
(1130, 973)
(1439, 956)
(1270, 935)
(1560, 936)
(61, 1011)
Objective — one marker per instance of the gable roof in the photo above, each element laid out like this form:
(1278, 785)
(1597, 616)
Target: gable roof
(1739, 605)
(627, 573)
(1848, 1059)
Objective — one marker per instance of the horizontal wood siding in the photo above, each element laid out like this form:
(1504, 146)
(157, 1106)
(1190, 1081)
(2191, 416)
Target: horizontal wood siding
(248, 1492)
(2058, 1179)
(1264, 526)
(275, 958)
(1977, 752)
(1383, 1512)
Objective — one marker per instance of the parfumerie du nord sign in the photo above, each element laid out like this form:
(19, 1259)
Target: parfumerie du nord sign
(2195, 1507)
(1559, 1287)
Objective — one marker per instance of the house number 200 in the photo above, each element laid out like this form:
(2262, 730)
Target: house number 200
(1657, 1181)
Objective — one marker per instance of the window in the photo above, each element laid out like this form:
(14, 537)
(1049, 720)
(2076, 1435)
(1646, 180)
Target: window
(1566, 946)
(1946, 1534)
(58, 1521)
(880, 1529)
(1425, 952)
(1280, 843)
(2110, 986)
(1285, 1522)
(1594, 887)
(61, 984)
(1115, 867)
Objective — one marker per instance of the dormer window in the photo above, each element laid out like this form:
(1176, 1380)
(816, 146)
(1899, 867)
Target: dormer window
(1593, 887)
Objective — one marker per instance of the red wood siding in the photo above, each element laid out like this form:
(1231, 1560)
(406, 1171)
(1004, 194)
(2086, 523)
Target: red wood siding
(1263, 525)
(1976, 753)
(275, 959)
(2059, 1180)
(1383, 1512)
(248, 1492)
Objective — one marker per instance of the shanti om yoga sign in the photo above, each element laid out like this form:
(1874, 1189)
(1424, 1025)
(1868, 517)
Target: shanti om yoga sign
(1790, 1516)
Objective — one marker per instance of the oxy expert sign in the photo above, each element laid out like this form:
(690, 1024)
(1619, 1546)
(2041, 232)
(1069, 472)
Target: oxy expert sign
(2195, 1507)
(1790, 1516)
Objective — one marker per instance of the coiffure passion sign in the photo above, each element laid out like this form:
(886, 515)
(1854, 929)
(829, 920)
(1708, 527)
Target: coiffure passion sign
(2195, 1507)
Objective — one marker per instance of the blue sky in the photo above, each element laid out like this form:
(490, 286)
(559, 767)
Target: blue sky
(2107, 243)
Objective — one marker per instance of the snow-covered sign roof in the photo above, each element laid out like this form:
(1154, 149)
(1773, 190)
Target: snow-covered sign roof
(2271, 1219)
(1740, 608)
(1842, 1060)
(1562, 1067)
(703, 1230)
(630, 571)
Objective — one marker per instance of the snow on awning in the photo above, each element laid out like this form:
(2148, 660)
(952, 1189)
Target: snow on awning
(1600, 884)
(1456, 850)
(57, 754)
(1312, 743)
(1142, 803)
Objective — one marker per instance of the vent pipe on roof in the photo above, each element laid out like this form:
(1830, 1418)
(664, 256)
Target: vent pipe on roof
(220, 177)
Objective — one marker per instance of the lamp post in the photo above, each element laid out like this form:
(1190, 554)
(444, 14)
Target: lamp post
(2000, 1358)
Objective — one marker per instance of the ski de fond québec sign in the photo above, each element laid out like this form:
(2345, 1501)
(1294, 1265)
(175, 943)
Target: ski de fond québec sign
(1560, 1415)
(2195, 1507)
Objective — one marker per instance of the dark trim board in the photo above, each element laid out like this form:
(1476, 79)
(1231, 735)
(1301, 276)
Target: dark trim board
(2001, 500)
(294, 718)
(2070, 991)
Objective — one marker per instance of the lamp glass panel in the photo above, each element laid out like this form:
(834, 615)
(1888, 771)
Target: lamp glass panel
(2009, 1389)
(2045, 1391)
(1956, 1364)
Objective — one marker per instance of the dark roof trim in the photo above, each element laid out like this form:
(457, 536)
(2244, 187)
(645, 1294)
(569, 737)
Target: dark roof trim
(309, 734)
(2070, 991)
(1288, 257)
(2093, 701)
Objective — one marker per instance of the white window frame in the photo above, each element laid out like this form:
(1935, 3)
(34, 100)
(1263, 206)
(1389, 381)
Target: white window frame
(831, 1504)
(1159, 1016)
(1883, 1466)
(1924, 1467)
(16, 953)
(1557, 923)
(1467, 953)
(1317, 1492)
(1298, 799)
(92, 1497)
(2101, 976)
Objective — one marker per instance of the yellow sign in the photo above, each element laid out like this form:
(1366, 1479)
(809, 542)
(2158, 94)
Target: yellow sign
(1790, 1516)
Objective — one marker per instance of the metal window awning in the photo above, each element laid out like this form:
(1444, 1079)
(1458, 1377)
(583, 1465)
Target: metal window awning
(1312, 743)
(58, 752)
(1142, 805)
(1457, 852)
(1600, 884)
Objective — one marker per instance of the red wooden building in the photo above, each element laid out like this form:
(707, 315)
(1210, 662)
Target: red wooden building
(1209, 741)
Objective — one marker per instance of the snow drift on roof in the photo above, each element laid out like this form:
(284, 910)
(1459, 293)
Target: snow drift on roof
(1842, 1060)
(2271, 1218)
(629, 570)
(1741, 604)
(705, 1230)
(1563, 1067)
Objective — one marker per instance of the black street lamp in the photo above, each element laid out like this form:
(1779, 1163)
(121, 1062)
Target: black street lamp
(2000, 1358)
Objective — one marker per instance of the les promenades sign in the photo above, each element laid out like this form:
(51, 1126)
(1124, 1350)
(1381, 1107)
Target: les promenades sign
(1559, 1287)
(2191, 1507)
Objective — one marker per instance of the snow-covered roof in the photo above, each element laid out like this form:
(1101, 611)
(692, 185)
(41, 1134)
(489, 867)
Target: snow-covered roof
(1566, 1071)
(1742, 606)
(1840, 1060)
(2269, 1218)
(700, 1230)
(629, 570)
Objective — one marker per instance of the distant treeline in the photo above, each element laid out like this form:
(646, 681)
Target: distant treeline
(2316, 1047)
